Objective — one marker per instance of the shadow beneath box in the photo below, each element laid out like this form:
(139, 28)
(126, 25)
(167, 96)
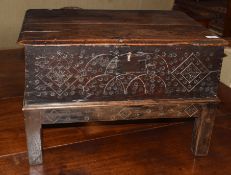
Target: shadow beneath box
(120, 122)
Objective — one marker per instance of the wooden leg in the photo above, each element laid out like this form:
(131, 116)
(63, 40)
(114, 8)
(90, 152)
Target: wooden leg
(33, 134)
(202, 131)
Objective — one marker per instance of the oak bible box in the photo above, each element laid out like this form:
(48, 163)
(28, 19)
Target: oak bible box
(105, 65)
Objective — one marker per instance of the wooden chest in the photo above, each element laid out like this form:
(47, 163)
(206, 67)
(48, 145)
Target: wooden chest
(94, 65)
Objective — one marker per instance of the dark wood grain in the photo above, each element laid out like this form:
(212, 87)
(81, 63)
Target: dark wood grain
(33, 127)
(112, 27)
(12, 73)
(229, 41)
(202, 131)
(137, 147)
(125, 17)
(115, 34)
(227, 26)
(212, 11)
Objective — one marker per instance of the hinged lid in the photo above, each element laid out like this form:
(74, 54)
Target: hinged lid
(65, 26)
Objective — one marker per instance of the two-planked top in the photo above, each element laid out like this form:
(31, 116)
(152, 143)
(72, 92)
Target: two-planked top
(119, 27)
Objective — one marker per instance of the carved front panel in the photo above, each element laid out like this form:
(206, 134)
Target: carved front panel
(90, 73)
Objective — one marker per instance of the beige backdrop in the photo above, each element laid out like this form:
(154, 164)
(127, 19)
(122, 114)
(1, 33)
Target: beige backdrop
(226, 68)
(12, 12)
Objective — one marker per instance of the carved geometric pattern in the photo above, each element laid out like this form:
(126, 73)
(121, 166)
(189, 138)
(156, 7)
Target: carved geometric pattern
(190, 72)
(87, 73)
(101, 73)
(191, 110)
(60, 74)
(125, 113)
(66, 116)
(142, 80)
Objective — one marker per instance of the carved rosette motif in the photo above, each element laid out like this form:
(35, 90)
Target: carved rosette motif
(123, 73)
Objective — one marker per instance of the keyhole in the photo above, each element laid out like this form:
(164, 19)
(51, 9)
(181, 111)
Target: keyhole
(129, 56)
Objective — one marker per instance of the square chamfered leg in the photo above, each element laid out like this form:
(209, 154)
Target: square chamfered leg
(33, 127)
(202, 131)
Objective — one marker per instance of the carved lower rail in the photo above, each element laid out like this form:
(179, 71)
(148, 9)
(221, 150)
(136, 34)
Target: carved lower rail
(85, 114)
(119, 110)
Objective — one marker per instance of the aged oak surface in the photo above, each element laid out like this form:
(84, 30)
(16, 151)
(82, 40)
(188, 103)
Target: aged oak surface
(158, 151)
(100, 65)
(97, 73)
(112, 27)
